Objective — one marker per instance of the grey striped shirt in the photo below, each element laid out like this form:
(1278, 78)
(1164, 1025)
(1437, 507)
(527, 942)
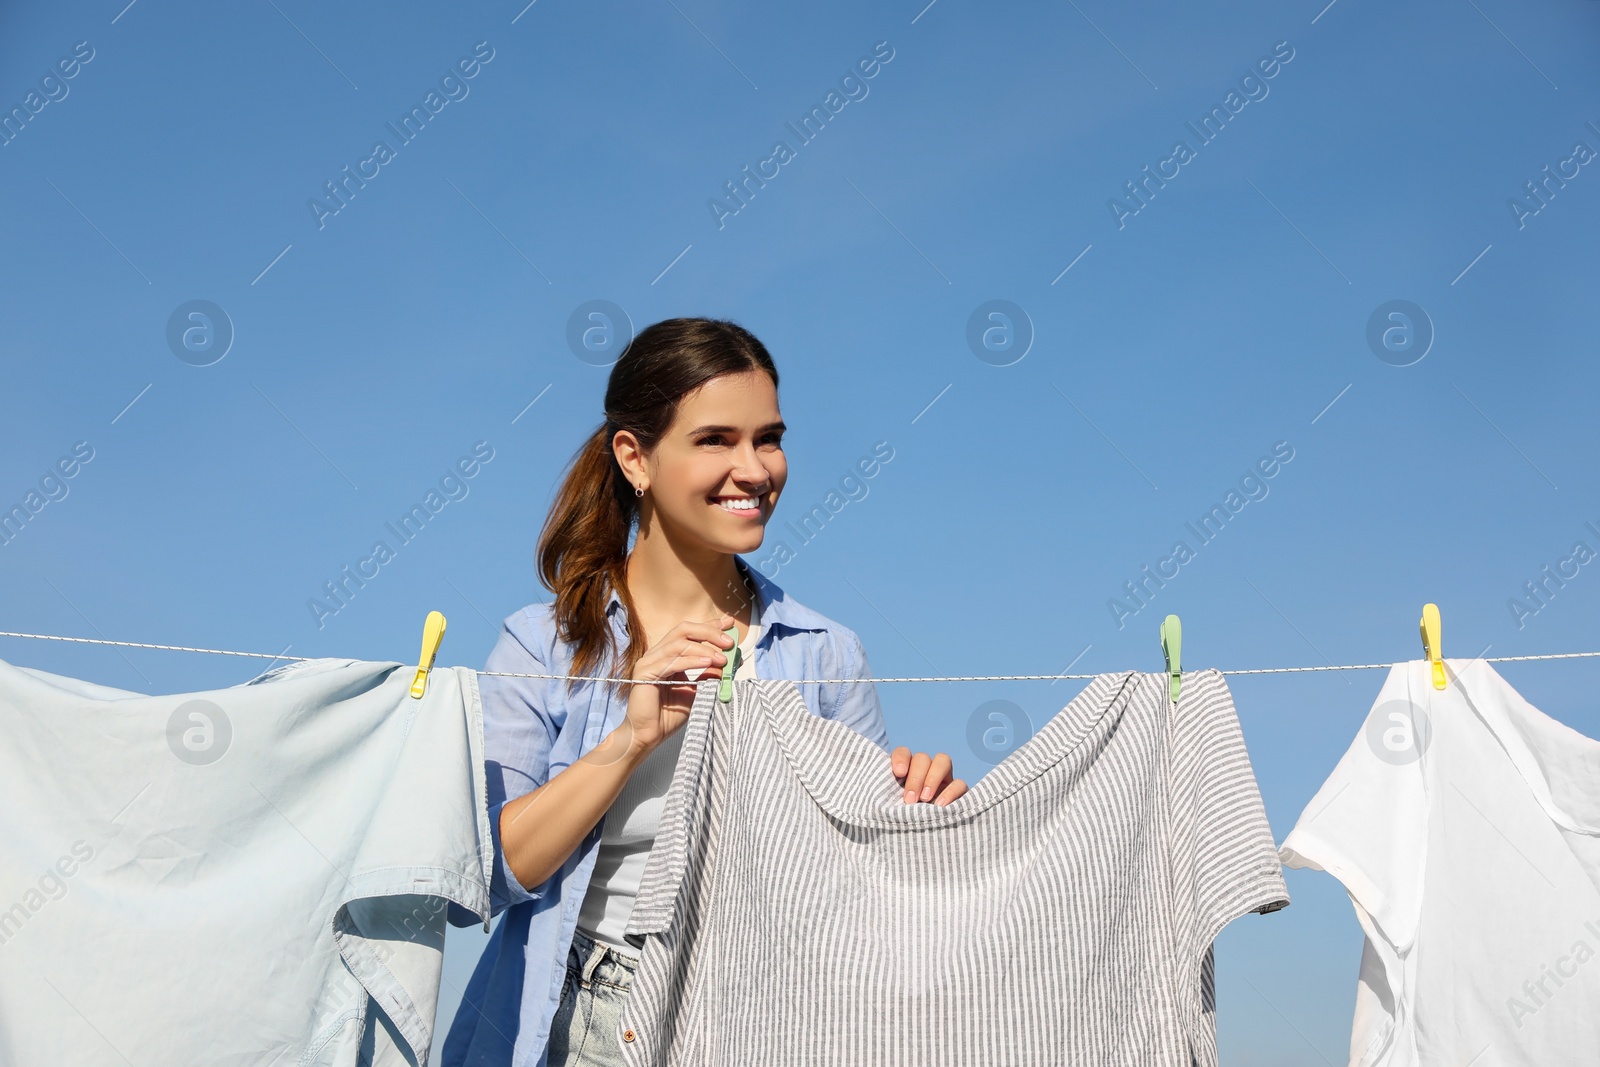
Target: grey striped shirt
(796, 912)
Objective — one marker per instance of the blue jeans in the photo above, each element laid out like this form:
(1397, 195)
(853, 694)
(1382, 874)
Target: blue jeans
(584, 1032)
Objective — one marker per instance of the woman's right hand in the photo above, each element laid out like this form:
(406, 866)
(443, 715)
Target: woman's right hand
(655, 712)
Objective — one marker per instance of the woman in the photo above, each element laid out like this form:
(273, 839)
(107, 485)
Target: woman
(692, 451)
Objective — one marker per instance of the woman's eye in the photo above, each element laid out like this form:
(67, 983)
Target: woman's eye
(718, 439)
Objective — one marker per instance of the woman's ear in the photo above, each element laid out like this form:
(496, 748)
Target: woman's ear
(625, 447)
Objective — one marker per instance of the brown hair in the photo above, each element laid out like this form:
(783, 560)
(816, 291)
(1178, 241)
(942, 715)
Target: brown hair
(583, 547)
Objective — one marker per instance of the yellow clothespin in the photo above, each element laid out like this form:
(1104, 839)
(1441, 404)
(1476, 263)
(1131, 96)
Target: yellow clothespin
(432, 634)
(1172, 649)
(1432, 649)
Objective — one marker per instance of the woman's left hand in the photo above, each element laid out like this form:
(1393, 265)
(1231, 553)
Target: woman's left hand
(926, 777)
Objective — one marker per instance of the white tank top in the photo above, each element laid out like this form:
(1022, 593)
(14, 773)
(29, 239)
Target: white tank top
(630, 830)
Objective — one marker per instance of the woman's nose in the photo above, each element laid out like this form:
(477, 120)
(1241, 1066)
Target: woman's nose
(750, 468)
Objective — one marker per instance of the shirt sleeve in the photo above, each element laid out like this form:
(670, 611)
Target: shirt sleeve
(1367, 825)
(518, 732)
(1223, 863)
(855, 703)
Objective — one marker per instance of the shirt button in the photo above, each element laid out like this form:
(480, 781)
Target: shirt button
(627, 1035)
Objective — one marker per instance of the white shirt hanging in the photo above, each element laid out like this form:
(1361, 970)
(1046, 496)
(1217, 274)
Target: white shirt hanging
(1465, 825)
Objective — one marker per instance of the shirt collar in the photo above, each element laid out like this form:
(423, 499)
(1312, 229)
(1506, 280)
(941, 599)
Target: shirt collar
(773, 607)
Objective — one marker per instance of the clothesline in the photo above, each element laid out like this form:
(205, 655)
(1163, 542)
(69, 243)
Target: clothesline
(710, 673)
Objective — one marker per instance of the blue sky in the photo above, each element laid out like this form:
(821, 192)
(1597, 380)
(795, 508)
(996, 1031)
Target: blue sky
(1148, 354)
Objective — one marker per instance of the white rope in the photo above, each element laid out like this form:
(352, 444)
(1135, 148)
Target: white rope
(140, 644)
(710, 673)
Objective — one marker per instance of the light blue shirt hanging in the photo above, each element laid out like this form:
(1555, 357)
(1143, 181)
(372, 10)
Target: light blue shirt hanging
(533, 729)
(252, 874)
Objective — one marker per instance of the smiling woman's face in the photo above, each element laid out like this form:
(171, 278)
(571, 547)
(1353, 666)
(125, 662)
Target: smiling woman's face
(723, 453)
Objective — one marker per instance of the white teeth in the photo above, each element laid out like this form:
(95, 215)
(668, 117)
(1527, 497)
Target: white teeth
(743, 504)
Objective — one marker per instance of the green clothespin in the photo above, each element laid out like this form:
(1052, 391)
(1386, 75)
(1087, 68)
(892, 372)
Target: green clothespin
(725, 691)
(1172, 649)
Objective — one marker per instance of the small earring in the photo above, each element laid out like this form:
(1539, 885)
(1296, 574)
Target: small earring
(638, 491)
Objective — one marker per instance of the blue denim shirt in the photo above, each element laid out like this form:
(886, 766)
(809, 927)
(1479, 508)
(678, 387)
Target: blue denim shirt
(532, 731)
